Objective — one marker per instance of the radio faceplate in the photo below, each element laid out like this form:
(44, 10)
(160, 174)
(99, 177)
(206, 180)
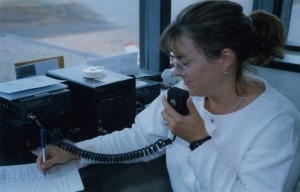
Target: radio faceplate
(42, 105)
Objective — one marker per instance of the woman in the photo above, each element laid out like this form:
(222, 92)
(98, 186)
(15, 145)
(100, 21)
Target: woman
(240, 134)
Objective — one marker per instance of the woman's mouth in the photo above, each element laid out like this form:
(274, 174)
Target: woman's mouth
(187, 83)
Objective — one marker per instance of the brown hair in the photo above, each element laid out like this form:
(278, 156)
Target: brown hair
(215, 25)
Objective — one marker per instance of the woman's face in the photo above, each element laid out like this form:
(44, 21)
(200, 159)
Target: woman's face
(202, 77)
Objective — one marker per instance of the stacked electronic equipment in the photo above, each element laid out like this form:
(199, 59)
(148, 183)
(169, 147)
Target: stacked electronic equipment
(20, 134)
(99, 105)
(85, 108)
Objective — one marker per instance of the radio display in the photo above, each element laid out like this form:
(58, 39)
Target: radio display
(36, 102)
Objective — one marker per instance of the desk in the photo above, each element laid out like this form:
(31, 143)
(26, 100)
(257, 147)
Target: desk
(91, 175)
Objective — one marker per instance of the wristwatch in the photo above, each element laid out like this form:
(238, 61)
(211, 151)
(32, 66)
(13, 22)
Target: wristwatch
(197, 143)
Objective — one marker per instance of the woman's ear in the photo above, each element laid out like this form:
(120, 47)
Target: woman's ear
(227, 59)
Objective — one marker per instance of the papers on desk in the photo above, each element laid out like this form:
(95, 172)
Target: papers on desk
(30, 86)
(27, 178)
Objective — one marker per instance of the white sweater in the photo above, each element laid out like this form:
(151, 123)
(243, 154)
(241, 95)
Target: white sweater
(252, 149)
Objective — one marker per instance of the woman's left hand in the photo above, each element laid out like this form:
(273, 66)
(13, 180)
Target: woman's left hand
(190, 127)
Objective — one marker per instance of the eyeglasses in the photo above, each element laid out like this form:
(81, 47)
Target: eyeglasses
(183, 68)
(179, 67)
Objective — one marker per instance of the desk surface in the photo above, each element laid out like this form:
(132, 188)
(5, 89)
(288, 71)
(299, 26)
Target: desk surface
(90, 174)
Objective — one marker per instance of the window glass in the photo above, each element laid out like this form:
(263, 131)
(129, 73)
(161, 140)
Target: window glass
(178, 5)
(101, 27)
(247, 5)
(293, 34)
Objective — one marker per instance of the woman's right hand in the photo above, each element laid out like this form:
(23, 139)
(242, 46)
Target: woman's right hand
(54, 156)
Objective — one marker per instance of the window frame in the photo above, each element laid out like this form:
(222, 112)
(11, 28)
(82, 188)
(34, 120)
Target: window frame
(155, 15)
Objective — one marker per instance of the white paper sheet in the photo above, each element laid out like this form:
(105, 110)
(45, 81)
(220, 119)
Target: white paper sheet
(32, 92)
(26, 177)
(28, 87)
(27, 84)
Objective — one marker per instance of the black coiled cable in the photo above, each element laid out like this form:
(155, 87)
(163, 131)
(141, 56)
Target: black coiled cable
(115, 158)
(107, 158)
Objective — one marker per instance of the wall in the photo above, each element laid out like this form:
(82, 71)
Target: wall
(285, 82)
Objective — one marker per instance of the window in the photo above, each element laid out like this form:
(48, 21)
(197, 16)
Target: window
(294, 25)
(178, 5)
(102, 28)
(99, 27)
(78, 30)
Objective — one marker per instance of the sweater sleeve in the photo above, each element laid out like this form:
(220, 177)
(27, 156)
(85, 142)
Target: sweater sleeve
(147, 129)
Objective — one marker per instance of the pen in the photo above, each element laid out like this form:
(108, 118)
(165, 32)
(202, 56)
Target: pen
(42, 134)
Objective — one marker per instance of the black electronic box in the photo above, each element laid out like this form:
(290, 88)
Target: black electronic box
(99, 106)
(20, 134)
